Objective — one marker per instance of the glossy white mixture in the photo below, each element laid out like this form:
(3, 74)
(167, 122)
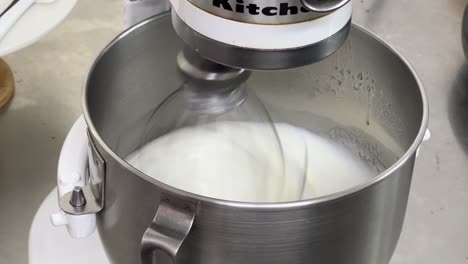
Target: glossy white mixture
(214, 161)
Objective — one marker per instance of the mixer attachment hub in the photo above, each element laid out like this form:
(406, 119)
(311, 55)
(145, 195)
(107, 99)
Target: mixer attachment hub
(210, 88)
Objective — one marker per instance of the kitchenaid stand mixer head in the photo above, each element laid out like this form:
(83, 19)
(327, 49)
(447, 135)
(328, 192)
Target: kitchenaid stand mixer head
(259, 35)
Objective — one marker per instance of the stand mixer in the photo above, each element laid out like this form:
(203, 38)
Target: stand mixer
(141, 218)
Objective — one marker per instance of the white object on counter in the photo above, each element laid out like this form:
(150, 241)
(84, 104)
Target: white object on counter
(4, 5)
(139, 10)
(35, 23)
(8, 20)
(427, 136)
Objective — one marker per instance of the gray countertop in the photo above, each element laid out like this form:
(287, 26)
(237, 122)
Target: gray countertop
(428, 34)
(49, 77)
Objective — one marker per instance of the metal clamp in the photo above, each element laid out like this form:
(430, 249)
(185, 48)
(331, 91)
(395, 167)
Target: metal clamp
(168, 230)
(87, 199)
(323, 6)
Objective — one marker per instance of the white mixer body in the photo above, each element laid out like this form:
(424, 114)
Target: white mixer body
(267, 36)
(261, 34)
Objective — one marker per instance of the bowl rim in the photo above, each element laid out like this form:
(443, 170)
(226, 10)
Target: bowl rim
(290, 205)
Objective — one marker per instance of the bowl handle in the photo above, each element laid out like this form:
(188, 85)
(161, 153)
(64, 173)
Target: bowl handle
(168, 230)
(323, 6)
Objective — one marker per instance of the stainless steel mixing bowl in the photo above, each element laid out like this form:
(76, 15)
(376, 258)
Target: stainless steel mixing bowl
(364, 96)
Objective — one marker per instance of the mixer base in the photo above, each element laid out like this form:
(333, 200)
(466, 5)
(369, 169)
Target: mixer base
(53, 245)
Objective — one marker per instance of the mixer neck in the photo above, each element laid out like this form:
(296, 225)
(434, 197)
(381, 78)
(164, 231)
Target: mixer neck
(202, 72)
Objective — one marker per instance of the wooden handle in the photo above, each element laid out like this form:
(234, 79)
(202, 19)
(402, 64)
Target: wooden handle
(7, 83)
